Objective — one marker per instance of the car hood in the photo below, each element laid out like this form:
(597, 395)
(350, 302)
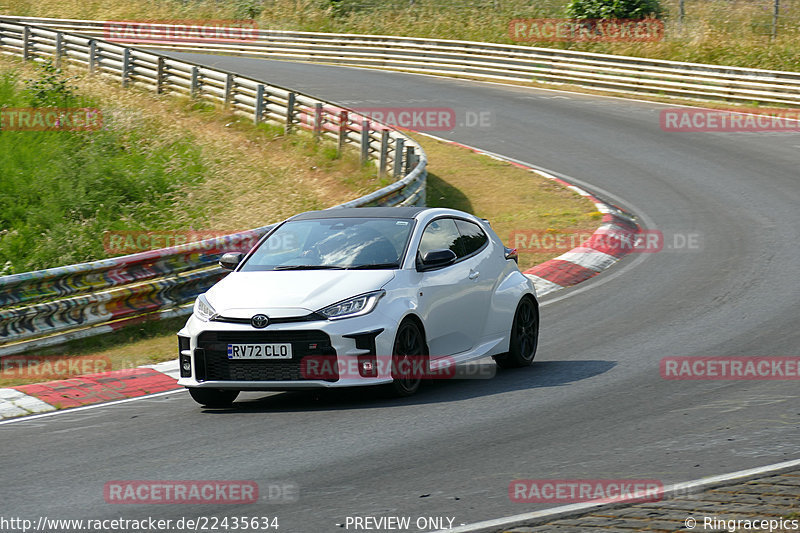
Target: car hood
(290, 293)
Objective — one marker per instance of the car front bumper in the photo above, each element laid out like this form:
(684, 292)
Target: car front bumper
(340, 345)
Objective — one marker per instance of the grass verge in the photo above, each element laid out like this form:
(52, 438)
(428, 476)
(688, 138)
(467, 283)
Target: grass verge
(159, 163)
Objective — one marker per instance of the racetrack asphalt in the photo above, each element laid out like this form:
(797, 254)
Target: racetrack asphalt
(593, 405)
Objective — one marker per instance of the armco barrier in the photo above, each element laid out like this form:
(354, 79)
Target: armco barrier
(619, 74)
(57, 304)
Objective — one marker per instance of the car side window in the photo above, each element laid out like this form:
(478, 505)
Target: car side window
(472, 237)
(441, 234)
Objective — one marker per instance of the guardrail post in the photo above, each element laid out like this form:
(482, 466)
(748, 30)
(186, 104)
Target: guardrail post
(289, 114)
(343, 126)
(259, 111)
(126, 66)
(317, 121)
(59, 49)
(364, 141)
(776, 10)
(384, 153)
(410, 159)
(26, 43)
(194, 86)
(228, 89)
(398, 156)
(92, 55)
(160, 64)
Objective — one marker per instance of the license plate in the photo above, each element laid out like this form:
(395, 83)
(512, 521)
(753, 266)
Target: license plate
(260, 351)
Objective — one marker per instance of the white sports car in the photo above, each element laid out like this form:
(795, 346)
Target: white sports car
(359, 296)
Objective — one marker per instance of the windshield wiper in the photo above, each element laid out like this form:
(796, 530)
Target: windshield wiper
(309, 267)
(375, 266)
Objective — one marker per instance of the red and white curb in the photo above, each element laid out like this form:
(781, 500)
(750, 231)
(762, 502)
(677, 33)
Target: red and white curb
(593, 256)
(87, 389)
(587, 260)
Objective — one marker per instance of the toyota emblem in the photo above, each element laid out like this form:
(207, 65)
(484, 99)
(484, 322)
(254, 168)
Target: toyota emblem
(259, 321)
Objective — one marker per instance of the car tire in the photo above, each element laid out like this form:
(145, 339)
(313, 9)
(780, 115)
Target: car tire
(213, 397)
(524, 336)
(409, 342)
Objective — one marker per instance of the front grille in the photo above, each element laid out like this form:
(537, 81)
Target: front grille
(212, 363)
(280, 320)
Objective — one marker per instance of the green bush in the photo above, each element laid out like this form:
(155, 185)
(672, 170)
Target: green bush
(248, 9)
(51, 88)
(614, 9)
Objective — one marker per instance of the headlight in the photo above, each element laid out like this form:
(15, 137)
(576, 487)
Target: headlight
(203, 309)
(355, 306)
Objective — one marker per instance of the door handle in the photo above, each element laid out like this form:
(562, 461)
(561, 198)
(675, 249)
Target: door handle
(474, 274)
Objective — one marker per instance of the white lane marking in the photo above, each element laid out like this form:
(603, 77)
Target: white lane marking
(575, 509)
(88, 407)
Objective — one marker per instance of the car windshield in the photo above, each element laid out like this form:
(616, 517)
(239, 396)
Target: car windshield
(333, 243)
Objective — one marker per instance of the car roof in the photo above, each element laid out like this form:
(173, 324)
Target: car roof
(362, 212)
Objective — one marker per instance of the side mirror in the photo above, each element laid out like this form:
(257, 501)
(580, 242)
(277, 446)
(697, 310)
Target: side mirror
(438, 259)
(230, 260)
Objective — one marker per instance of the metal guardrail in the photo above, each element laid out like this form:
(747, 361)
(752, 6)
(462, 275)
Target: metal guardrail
(619, 74)
(54, 305)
